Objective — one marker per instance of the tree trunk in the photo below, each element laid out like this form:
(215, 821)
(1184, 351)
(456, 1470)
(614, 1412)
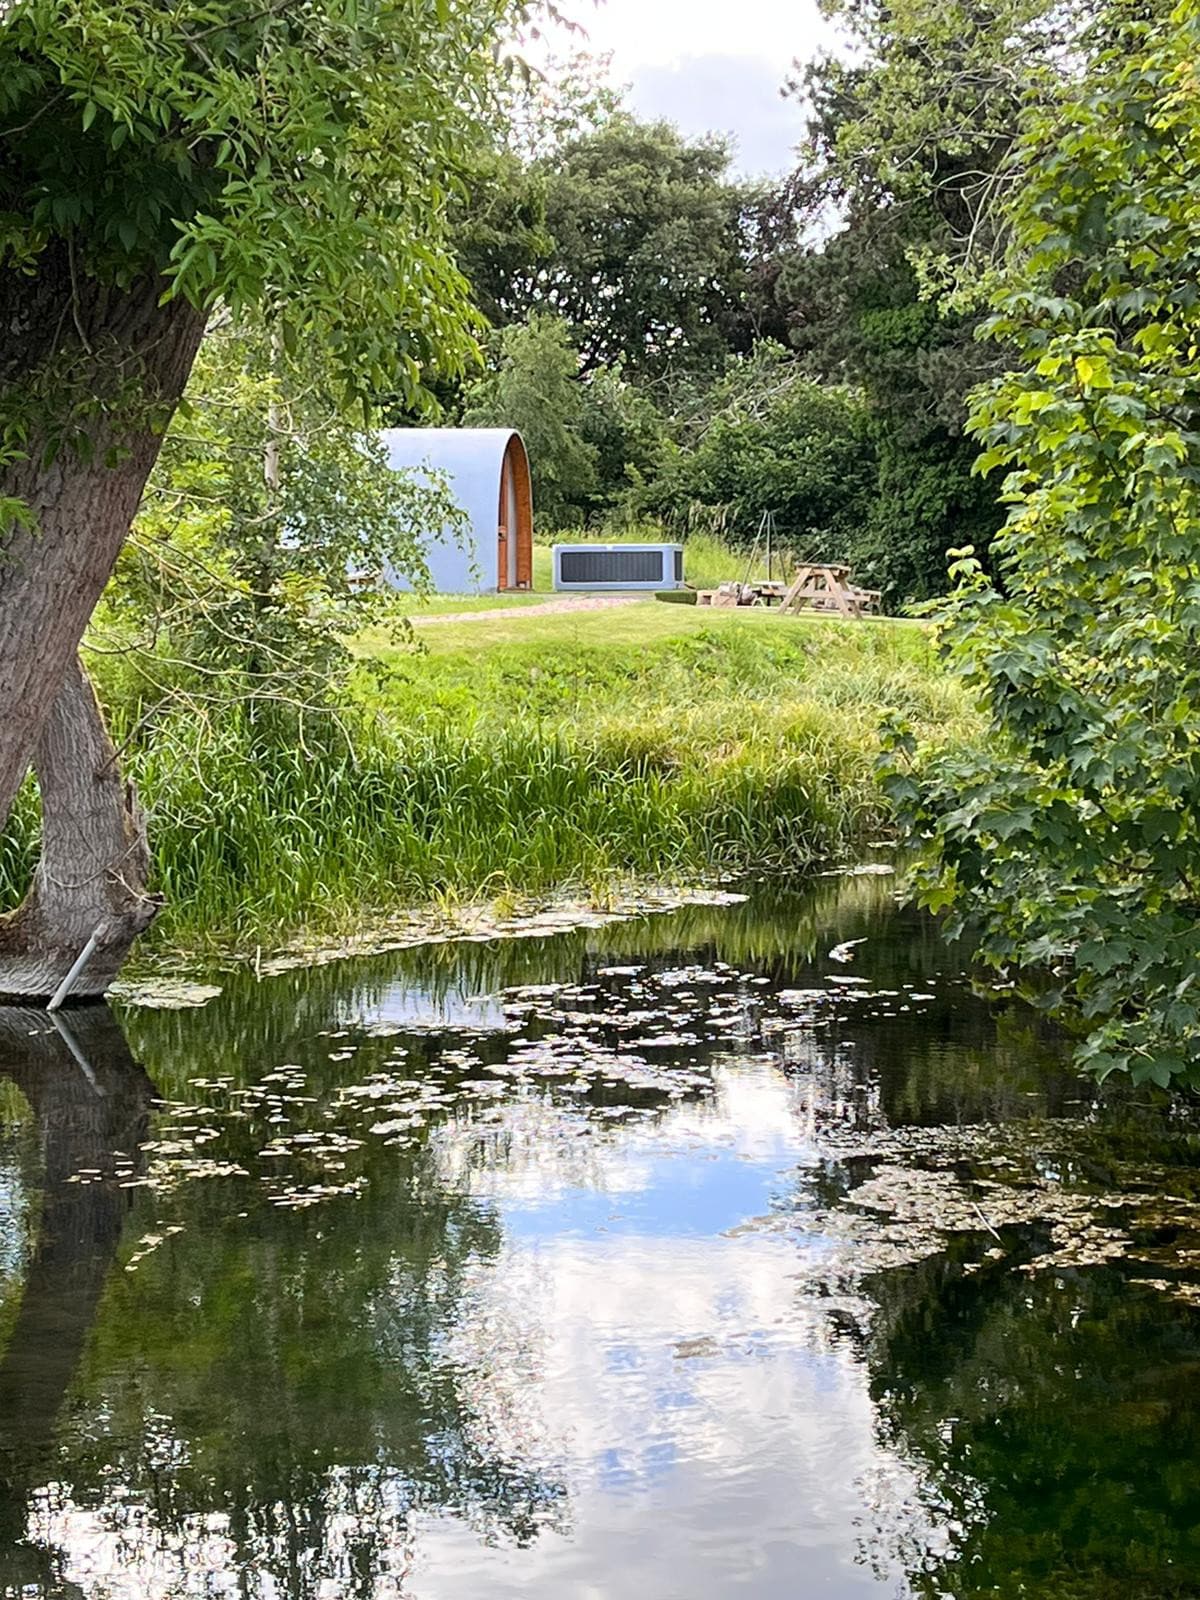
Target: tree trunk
(89, 1099)
(91, 375)
(91, 879)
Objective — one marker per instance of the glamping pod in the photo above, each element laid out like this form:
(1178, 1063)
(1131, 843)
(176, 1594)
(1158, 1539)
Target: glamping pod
(487, 470)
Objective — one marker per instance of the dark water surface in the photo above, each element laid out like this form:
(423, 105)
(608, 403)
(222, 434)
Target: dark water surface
(692, 1257)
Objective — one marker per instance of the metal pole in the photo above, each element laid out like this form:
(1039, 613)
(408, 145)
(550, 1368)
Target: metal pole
(81, 961)
(754, 553)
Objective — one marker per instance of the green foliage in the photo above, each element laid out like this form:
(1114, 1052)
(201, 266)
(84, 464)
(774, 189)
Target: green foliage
(249, 562)
(500, 227)
(645, 252)
(1050, 1415)
(534, 386)
(532, 753)
(1070, 840)
(766, 438)
(922, 118)
(625, 428)
(298, 156)
(858, 316)
(588, 437)
(911, 140)
(925, 497)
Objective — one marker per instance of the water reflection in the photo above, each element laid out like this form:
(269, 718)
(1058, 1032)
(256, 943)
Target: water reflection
(517, 1269)
(674, 1366)
(87, 1104)
(1058, 1418)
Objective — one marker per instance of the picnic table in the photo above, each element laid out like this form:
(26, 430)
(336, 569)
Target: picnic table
(764, 593)
(828, 586)
(817, 586)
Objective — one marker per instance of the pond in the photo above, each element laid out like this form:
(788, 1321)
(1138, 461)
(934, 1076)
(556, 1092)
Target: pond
(739, 1250)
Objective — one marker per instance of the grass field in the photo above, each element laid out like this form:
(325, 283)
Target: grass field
(774, 644)
(711, 702)
(522, 754)
(532, 752)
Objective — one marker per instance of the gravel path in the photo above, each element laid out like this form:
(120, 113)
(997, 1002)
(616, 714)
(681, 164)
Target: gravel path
(547, 608)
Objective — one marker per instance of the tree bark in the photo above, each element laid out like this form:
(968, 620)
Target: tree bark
(91, 374)
(94, 864)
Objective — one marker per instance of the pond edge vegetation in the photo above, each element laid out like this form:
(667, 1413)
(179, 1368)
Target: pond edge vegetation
(571, 756)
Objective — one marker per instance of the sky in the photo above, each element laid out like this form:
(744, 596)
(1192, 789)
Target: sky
(713, 64)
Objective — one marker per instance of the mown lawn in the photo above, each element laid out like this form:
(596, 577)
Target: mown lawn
(624, 660)
(650, 621)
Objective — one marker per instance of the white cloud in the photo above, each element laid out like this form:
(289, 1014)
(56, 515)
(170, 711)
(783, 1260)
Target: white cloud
(732, 95)
(707, 66)
(713, 1429)
(709, 1426)
(663, 32)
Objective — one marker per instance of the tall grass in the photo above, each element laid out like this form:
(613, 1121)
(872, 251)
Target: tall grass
(528, 767)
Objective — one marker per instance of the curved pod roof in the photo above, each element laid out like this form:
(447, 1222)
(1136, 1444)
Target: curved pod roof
(473, 462)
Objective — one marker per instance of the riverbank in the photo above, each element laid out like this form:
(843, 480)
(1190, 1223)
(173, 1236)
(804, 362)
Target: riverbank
(537, 754)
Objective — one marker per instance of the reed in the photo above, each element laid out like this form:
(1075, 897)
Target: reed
(476, 767)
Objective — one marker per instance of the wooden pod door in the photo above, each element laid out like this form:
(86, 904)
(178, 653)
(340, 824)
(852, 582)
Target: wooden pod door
(515, 564)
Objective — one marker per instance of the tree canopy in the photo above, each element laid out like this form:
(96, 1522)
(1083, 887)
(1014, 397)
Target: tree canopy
(299, 156)
(533, 386)
(767, 440)
(902, 197)
(1069, 838)
(634, 235)
(249, 564)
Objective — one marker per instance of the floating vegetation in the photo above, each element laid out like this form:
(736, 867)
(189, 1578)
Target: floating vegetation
(302, 1197)
(163, 994)
(560, 1214)
(531, 919)
(616, 1046)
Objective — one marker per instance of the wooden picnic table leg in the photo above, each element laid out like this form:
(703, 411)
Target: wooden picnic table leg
(840, 598)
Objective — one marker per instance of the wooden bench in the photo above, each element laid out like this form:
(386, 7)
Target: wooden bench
(758, 593)
(828, 587)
